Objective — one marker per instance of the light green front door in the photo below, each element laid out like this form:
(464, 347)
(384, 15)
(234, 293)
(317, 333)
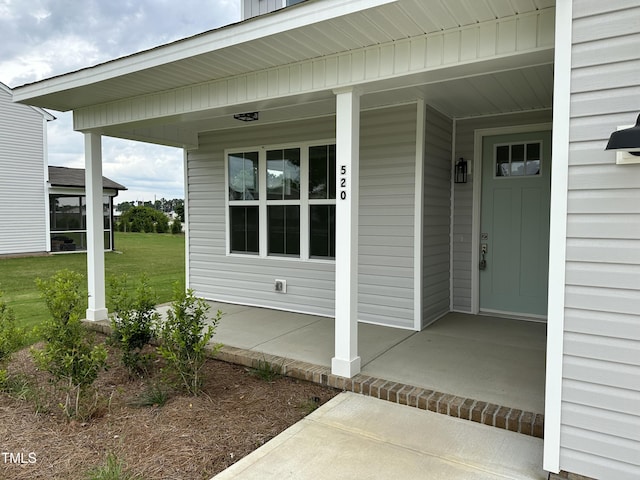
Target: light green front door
(516, 181)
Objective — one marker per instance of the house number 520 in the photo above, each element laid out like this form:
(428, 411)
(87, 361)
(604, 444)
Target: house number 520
(343, 182)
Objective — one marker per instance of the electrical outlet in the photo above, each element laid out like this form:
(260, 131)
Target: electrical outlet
(280, 286)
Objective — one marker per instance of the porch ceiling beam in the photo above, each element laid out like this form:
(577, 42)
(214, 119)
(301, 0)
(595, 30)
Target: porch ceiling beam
(499, 44)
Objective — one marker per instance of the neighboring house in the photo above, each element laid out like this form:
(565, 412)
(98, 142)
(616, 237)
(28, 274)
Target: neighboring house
(323, 145)
(67, 214)
(43, 208)
(23, 176)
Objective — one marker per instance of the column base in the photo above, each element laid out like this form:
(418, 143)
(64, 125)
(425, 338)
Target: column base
(97, 315)
(345, 368)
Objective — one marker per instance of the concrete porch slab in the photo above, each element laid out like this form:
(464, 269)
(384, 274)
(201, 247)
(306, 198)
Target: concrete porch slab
(355, 436)
(496, 360)
(314, 342)
(475, 357)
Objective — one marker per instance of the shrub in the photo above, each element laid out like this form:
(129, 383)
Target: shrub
(145, 219)
(69, 354)
(184, 336)
(176, 226)
(132, 320)
(11, 338)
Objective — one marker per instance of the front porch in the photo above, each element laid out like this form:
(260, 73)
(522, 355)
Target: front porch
(487, 369)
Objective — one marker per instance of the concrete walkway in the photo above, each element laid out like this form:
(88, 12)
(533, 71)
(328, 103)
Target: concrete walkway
(358, 437)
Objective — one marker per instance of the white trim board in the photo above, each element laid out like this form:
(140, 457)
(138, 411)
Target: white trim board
(418, 294)
(187, 249)
(558, 235)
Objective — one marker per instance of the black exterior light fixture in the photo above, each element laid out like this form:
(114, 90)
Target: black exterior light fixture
(247, 117)
(460, 174)
(626, 143)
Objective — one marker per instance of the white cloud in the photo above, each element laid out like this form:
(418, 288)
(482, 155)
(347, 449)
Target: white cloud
(148, 171)
(56, 55)
(44, 38)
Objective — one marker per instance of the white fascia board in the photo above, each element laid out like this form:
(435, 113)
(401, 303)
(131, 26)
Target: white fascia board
(251, 29)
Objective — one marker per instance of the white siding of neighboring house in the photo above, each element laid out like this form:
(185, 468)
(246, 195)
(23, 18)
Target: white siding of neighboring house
(22, 178)
(463, 197)
(600, 421)
(437, 217)
(387, 168)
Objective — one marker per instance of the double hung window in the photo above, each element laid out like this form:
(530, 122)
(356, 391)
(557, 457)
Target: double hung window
(281, 201)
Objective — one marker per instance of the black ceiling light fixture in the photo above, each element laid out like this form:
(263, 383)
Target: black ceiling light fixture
(247, 117)
(626, 143)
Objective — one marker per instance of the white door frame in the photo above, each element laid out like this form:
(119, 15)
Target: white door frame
(478, 138)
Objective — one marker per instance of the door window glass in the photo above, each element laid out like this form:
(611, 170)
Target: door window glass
(518, 159)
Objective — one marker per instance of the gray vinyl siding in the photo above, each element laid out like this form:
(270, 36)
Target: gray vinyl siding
(386, 223)
(437, 217)
(253, 8)
(22, 182)
(463, 197)
(387, 196)
(600, 430)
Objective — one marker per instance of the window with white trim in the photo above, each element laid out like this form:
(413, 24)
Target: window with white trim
(281, 201)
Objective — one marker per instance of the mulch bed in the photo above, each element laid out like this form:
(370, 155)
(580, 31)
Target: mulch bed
(186, 438)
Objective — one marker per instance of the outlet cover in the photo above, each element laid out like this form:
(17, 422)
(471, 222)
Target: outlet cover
(280, 286)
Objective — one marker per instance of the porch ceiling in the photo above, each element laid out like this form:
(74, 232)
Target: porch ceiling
(309, 30)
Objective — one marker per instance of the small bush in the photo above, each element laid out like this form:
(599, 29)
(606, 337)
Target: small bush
(69, 353)
(176, 227)
(132, 321)
(184, 336)
(11, 337)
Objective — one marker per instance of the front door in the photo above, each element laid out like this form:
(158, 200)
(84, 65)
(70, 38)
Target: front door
(516, 183)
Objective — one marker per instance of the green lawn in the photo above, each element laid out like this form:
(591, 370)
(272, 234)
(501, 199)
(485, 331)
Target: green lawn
(160, 256)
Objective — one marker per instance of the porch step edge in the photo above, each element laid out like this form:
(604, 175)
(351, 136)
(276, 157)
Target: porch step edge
(498, 416)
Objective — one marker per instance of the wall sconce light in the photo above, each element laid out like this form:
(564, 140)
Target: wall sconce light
(247, 117)
(626, 142)
(460, 174)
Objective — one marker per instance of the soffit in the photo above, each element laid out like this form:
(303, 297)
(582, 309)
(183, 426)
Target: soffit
(213, 55)
(517, 90)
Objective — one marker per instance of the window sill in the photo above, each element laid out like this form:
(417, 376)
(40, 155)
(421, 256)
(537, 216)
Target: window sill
(329, 261)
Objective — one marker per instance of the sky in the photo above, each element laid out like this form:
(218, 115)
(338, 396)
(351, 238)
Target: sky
(44, 38)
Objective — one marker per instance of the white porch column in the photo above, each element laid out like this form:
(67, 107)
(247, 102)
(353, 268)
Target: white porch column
(346, 361)
(95, 227)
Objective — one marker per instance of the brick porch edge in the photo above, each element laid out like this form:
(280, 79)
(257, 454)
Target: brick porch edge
(527, 423)
(512, 419)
